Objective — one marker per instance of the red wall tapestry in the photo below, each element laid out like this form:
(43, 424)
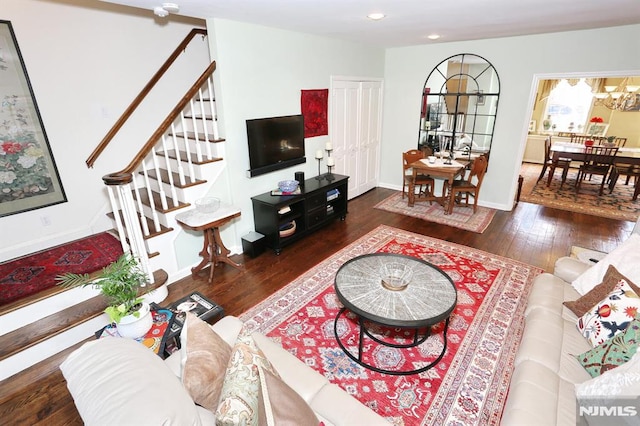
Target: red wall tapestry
(314, 110)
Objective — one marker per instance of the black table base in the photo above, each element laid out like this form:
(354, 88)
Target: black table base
(418, 339)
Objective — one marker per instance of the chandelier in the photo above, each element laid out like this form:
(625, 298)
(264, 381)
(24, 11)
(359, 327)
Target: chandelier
(623, 97)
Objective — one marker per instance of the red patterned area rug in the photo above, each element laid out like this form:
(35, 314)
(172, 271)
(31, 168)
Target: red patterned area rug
(615, 205)
(462, 216)
(467, 387)
(31, 274)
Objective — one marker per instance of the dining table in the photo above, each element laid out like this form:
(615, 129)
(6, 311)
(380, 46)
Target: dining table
(576, 152)
(441, 168)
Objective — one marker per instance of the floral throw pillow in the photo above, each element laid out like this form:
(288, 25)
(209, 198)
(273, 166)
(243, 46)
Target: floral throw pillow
(239, 398)
(611, 315)
(613, 352)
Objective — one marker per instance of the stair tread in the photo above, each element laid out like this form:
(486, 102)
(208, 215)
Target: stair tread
(183, 157)
(144, 197)
(25, 337)
(201, 137)
(198, 116)
(164, 177)
(150, 226)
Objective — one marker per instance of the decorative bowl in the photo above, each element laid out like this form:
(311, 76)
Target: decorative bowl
(207, 204)
(588, 142)
(288, 185)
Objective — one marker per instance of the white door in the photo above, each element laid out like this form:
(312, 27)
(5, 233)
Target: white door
(355, 130)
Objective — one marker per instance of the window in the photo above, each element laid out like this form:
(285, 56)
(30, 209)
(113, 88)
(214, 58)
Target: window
(569, 106)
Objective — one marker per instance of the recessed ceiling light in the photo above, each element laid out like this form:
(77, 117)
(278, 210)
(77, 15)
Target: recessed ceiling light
(376, 16)
(433, 36)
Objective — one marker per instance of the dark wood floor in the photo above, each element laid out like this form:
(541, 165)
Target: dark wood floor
(530, 233)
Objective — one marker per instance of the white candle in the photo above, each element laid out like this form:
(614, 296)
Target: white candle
(330, 161)
(328, 146)
(319, 154)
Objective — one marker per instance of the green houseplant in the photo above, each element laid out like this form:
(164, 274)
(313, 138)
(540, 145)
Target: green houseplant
(119, 282)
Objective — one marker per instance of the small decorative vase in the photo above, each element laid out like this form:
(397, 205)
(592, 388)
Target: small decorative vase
(135, 327)
(546, 123)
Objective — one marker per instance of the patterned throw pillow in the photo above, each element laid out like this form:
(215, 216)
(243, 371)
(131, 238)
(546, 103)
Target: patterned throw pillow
(611, 316)
(599, 292)
(239, 399)
(613, 352)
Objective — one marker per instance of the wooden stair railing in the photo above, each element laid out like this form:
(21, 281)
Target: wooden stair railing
(142, 191)
(143, 93)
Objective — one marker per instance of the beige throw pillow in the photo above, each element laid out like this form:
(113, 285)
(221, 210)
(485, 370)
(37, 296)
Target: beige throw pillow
(282, 406)
(599, 292)
(204, 361)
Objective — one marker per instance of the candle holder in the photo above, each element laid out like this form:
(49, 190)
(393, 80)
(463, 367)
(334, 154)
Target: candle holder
(319, 177)
(330, 176)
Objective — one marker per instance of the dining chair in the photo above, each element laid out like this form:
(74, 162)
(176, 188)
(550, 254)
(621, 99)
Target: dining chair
(580, 138)
(462, 189)
(619, 142)
(548, 163)
(598, 160)
(422, 180)
(628, 170)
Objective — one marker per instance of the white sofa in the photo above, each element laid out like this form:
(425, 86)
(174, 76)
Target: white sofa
(542, 390)
(119, 381)
(546, 373)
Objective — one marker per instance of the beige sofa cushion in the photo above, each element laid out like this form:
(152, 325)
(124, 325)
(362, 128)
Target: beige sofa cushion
(116, 381)
(626, 258)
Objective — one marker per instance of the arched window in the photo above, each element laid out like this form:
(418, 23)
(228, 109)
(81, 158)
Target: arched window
(568, 106)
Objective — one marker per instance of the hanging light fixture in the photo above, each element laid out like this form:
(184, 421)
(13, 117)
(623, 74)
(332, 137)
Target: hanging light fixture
(623, 97)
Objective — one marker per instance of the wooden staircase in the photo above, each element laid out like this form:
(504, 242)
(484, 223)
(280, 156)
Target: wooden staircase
(178, 164)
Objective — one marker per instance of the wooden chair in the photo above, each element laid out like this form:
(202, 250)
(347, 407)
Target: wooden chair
(628, 170)
(548, 162)
(581, 138)
(598, 160)
(619, 142)
(422, 180)
(462, 189)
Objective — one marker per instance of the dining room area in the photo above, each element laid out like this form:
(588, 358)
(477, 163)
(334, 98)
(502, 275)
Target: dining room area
(582, 151)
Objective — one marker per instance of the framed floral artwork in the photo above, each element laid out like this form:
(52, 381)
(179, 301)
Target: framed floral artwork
(596, 129)
(28, 174)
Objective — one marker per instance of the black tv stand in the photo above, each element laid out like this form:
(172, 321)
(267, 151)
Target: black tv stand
(318, 204)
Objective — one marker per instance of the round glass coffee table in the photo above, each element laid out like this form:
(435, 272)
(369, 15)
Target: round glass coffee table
(396, 291)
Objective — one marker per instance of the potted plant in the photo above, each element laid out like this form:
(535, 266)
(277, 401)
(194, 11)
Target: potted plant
(120, 283)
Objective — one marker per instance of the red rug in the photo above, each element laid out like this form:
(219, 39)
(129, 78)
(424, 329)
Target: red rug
(462, 216)
(31, 274)
(467, 387)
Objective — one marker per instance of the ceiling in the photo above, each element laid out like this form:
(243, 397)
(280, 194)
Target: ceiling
(408, 22)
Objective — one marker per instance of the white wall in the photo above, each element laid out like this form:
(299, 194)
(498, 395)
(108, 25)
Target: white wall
(517, 60)
(261, 72)
(87, 61)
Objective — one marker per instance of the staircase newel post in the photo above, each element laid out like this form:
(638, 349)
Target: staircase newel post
(131, 219)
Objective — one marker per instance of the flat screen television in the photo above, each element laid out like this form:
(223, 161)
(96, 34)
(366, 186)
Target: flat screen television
(275, 143)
